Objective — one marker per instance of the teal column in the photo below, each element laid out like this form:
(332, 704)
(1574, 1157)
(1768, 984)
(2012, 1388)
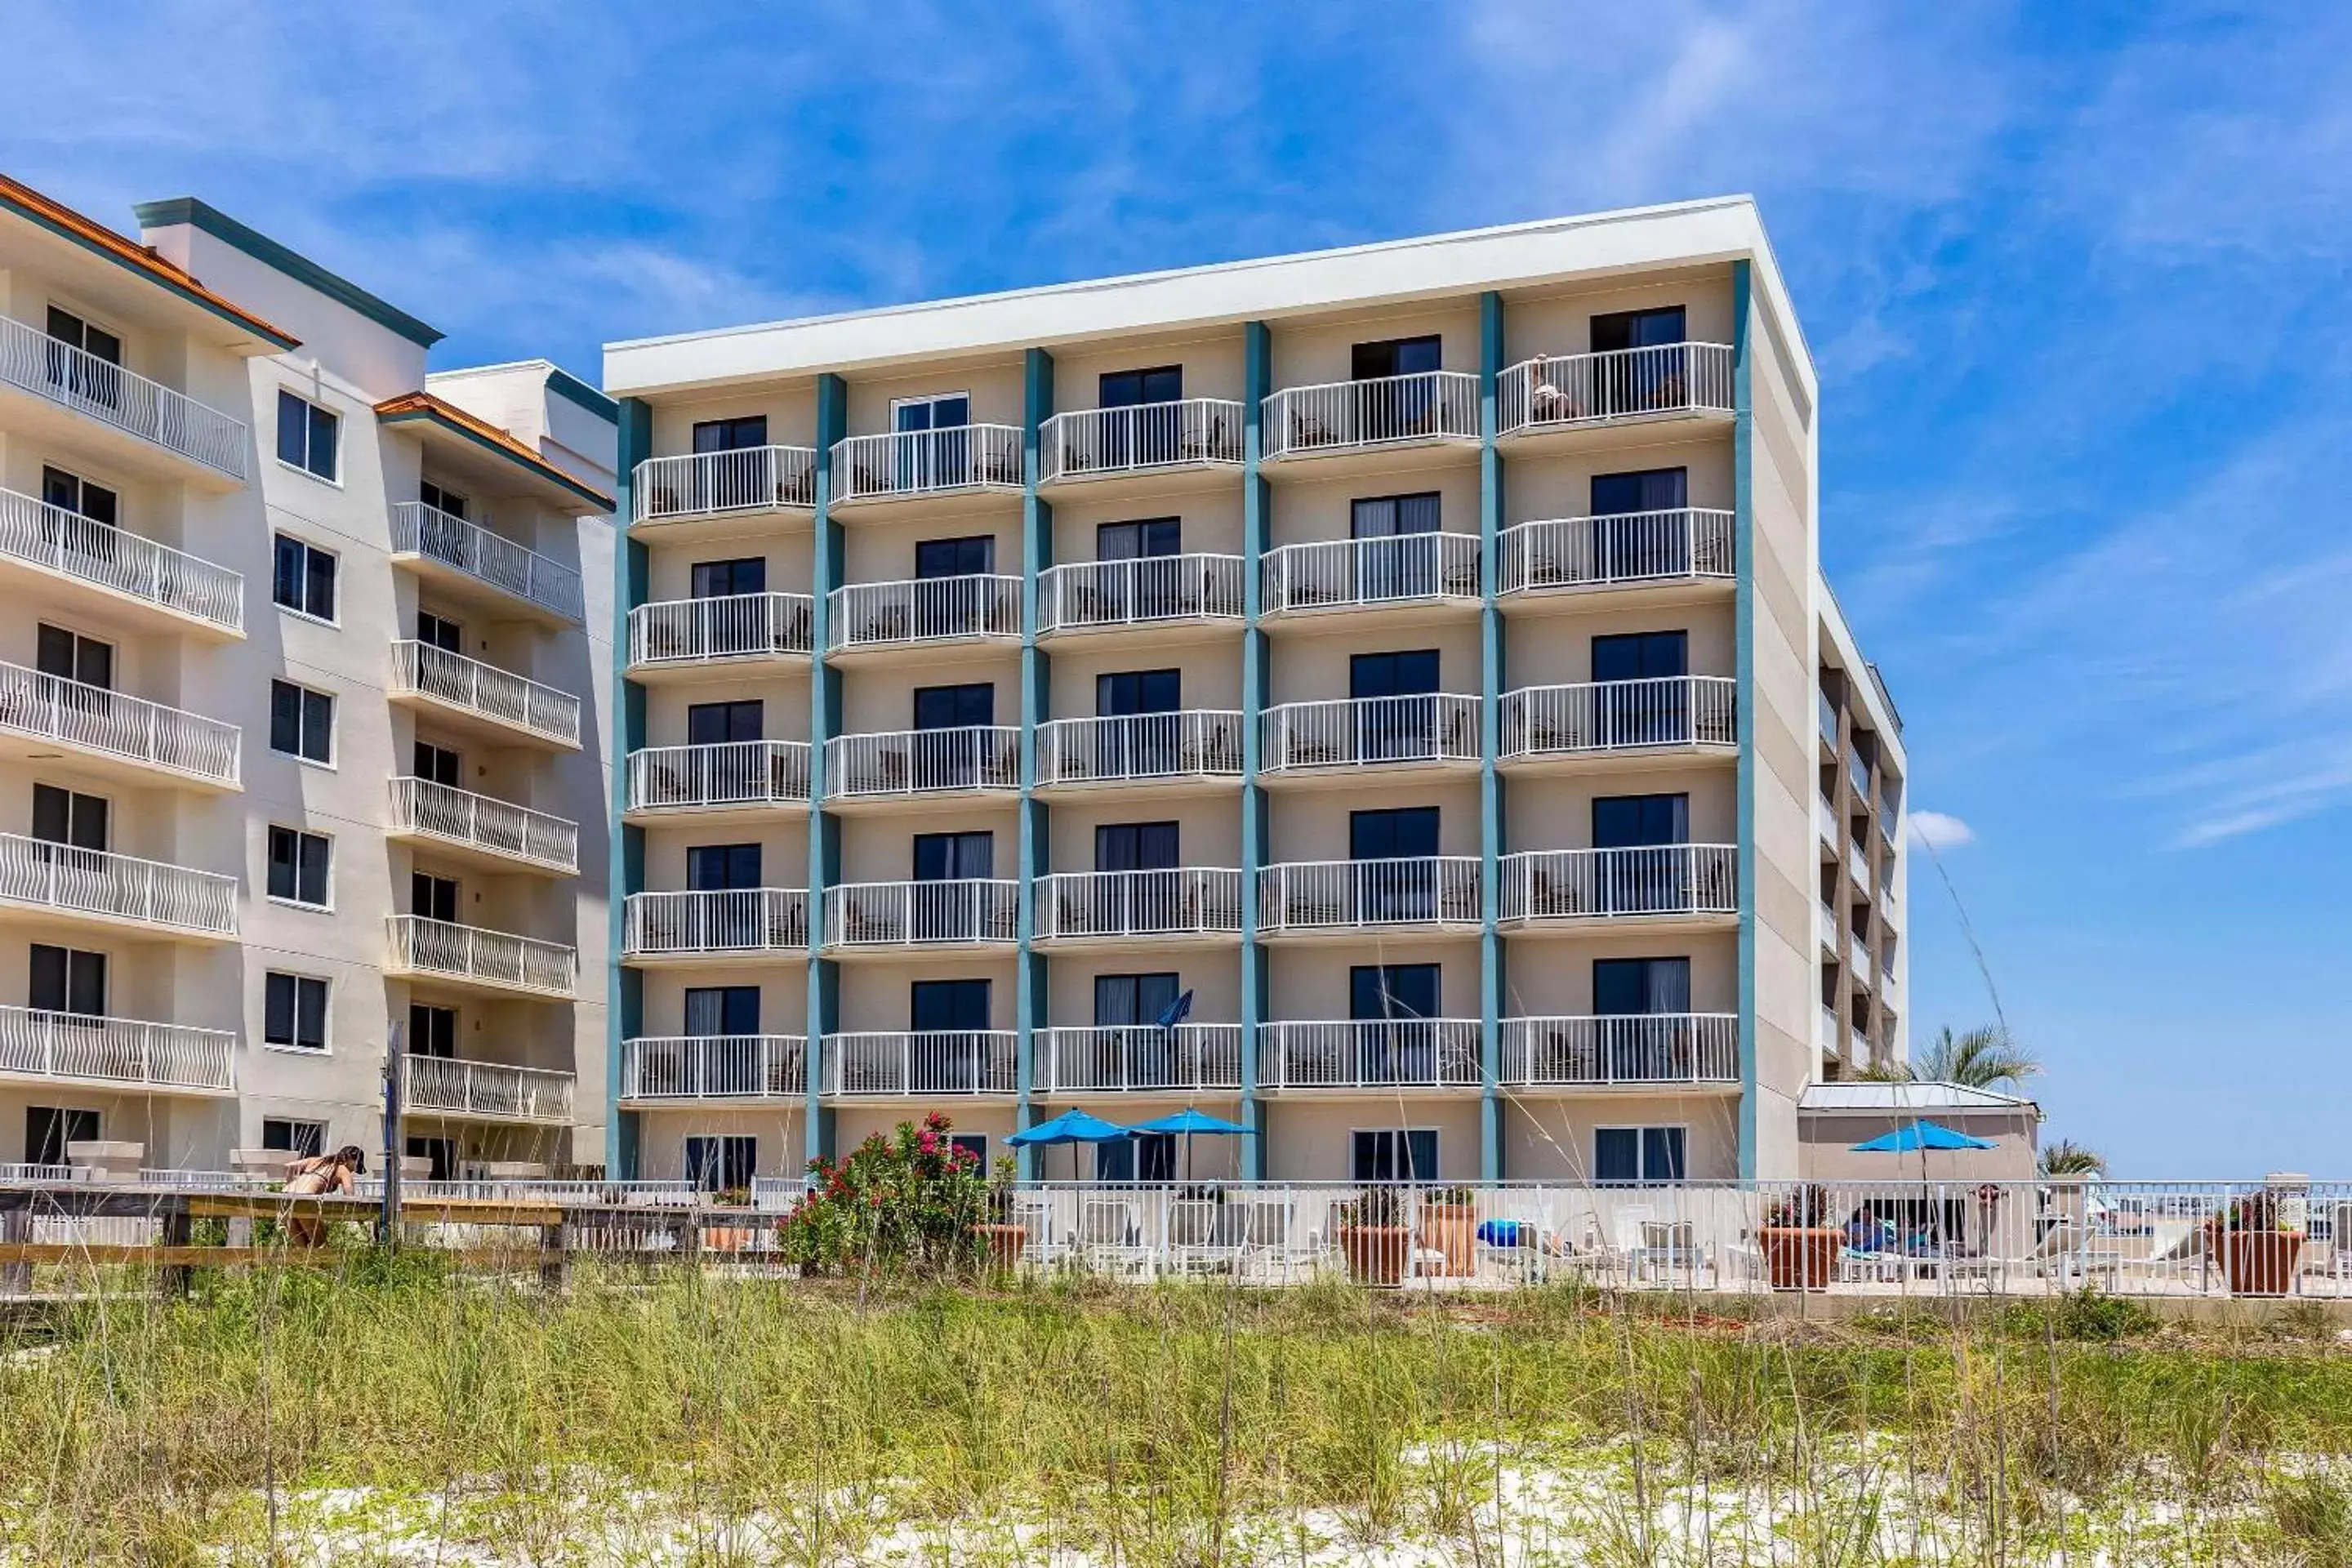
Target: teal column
(824, 722)
(1030, 981)
(1258, 499)
(1492, 978)
(625, 845)
(1743, 531)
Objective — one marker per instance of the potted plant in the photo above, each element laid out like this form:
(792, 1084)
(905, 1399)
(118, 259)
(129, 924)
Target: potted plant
(2259, 1252)
(1449, 1224)
(1373, 1237)
(1800, 1244)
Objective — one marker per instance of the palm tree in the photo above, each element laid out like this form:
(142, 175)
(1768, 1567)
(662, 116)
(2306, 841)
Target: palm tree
(1979, 1059)
(2067, 1158)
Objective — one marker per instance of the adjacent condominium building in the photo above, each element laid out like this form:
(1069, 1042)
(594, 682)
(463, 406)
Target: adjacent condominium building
(1385, 697)
(300, 682)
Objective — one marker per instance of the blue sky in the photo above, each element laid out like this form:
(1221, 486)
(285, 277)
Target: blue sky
(2074, 276)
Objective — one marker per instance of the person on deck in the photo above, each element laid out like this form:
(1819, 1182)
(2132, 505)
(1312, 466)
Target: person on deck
(321, 1176)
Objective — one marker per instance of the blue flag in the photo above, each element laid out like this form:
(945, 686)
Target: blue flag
(1176, 1012)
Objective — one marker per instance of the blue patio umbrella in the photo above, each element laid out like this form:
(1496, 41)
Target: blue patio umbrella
(1073, 1126)
(1188, 1121)
(1920, 1136)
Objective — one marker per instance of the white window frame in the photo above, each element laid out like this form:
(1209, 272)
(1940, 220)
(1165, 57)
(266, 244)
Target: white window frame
(685, 1163)
(299, 834)
(324, 1128)
(82, 480)
(418, 631)
(1637, 1128)
(333, 480)
(300, 612)
(444, 493)
(1437, 1136)
(928, 398)
(334, 724)
(326, 1045)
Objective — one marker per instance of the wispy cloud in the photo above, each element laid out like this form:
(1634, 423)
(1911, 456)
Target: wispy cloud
(1940, 830)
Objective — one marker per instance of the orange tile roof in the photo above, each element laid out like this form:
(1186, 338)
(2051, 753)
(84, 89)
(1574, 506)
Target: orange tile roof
(425, 406)
(97, 236)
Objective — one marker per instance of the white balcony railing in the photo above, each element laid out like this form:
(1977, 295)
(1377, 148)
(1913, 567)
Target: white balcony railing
(420, 805)
(1348, 415)
(920, 914)
(1189, 900)
(1192, 743)
(1620, 715)
(36, 872)
(923, 761)
(1196, 432)
(422, 669)
(899, 1064)
(1370, 1054)
(1624, 547)
(1140, 593)
(1596, 884)
(71, 545)
(736, 626)
(1353, 573)
(1122, 1058)
(1567, 390)
(928, 609)
(927, 462)
(36, 362)
(1603, 1051)
(735, 920)
(70, 1045)
(1362, 731)
(426, 530)
(449, 1085)
(92, 717)
(493, 957)
(726, 772)
(1335, 895)
(714, 1067)
(702, 484)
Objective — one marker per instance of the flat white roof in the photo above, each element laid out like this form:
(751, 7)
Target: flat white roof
(1515, 255)
(1867, 1095)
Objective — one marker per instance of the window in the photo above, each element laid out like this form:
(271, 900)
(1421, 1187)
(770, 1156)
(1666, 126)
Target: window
(1394, 1155)
(1396, 555)
(1377, 992)
(942, 411)
(67, 980)
(1634, 987)
(1142, 1157)
(298, 866)
(1622, 329)
(722, 1010)
(1643, 489)
(294, 1011)
(735, 435)
(970, 557)
(1637, 821)
(448, 502)
(1153, 432)
(1144, 540)
(66, 816)
(440, 1154)
(1405, 832)
(973, 1143)
(719, 483)
(1129, 692)
(1640, 656)
(437, 764)
(49, 1129)
(1136, 846)
(721, 1163)
(72, 331)
(1395, 356)
(724, 579)
(1402, 723)
(69, 656)
(721, 867)
(432, 897)
(439, 631)
(955, 707)
(950, 1006)
(96, 379)
(306, 436)
(302, 722)
(1643, 1154)
(1643, 702)
(432, 1031)
(308, 1139)
(954, 856)
(723, 723)
(70, 493)
(1130, 388)
(1410, 673)
(1636, 528)
(1125, 1001)
(302, 577)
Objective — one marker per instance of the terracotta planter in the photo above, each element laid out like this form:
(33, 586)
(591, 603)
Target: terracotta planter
(1005, 1242)
(2260, 1262)
(1800, 1258)
(1451, 1229)
(1376, 1254)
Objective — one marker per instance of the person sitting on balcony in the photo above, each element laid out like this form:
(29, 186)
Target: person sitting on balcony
(318, 1176)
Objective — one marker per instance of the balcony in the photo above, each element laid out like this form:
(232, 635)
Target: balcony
(1832, 1032)
(1342, 898)
(1564, 393)
(482, 960)
(1430, 408)
(58, 883)
(1825, 713)
(1162, 591)
(1339, 576)
(741, 779)
(473, 563)
(1179, 905)
(1600, 720)
(483, 697)
(762, 1069)
(904, 764)
(485, 1091)
(1622, 1052)
(111, 571)
(913, 465)
(1337, 739)
(896, 916)
(124, 737)
(914, 1065)
(1857, 956)
(1651, 550)
(710, 925)
(1137, 1058)
(1377, 1056)
(1157, 752)
(494, 831)
(687, 638)
(869, 617)
(193, 440)
(1658, 883)
(1857, 867)
(1087, 446)
(671, 493)
(115, 1053)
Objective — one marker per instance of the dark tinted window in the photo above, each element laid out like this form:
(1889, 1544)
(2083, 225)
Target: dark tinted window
(717, 723)
(972, 557)
(731, 435)
(954, 707)
(1637, 329)
(1395, 356)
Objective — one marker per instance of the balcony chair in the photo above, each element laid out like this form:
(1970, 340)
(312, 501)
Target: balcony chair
(1110, 1240)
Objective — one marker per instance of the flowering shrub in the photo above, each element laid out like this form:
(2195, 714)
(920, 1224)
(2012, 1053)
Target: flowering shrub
(909, 1201)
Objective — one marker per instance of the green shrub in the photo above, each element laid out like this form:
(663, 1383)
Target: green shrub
(907, 1203)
